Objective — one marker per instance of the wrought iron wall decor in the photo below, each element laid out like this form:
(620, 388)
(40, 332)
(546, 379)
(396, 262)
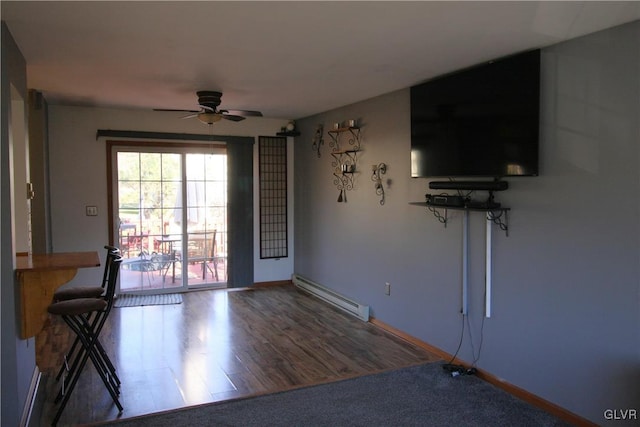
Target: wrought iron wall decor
(345, 156)
(377, 171)
(317, 139)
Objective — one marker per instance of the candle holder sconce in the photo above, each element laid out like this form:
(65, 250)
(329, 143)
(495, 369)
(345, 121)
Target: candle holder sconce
(377, 171)
(345, 145)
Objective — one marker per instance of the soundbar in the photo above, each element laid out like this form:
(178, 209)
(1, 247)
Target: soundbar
(469, 185)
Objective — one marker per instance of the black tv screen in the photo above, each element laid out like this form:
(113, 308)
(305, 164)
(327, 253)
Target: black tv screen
(479, 122)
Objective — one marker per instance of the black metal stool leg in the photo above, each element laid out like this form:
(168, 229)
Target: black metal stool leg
(87, 343)
(102, 362)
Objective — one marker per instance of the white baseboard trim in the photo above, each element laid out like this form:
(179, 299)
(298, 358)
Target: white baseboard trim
(31, 398)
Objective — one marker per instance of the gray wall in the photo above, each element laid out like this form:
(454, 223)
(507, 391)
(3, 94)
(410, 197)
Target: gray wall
(17, 355)
(566, 311)
(72, 140)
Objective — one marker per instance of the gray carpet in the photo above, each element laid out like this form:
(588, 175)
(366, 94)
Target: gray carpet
(422, 395)
(139, 300)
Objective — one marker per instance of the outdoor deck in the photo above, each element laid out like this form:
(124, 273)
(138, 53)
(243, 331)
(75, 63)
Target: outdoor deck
(158, 273)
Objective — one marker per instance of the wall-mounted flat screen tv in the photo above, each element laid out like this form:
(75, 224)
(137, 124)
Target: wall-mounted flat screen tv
(479, 122)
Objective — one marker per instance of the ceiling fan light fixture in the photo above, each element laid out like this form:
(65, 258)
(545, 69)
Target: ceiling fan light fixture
(209, 118)
(209, 114)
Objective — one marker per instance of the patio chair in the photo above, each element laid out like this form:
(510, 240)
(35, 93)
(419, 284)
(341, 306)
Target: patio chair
(203, 251)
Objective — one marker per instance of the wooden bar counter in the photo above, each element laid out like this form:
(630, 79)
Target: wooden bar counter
(39, 275)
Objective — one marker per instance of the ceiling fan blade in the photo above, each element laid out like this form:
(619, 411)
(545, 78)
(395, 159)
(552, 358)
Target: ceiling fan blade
(245, 113)
(232, 117)
(174, 110)
(190, 116)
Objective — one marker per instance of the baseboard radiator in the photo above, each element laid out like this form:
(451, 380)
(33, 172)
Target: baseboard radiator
(359, 310)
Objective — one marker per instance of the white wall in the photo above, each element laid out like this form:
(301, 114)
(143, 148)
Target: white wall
(78, 175)
(20, 149)
(566, 281)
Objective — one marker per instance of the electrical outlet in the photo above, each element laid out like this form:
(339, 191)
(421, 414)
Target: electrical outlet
(387, 288)
(91, 210)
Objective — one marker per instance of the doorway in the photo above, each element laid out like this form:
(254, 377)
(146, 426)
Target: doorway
(21, 192)
(170, 211)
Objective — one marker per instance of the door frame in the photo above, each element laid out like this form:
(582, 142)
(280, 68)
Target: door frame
(183, 148)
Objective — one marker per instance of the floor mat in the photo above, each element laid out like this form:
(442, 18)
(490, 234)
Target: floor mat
(139, 300)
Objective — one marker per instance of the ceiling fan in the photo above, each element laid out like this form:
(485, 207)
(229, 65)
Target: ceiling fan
(209, 113)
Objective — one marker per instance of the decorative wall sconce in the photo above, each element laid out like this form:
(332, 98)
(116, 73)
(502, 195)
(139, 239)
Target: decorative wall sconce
(379, 170)
(317, 139)
(345, 145)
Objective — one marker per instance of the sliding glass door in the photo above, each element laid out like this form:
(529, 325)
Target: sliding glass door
(170, 209)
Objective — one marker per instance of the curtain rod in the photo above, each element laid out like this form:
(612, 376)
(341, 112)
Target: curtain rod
(173, 136)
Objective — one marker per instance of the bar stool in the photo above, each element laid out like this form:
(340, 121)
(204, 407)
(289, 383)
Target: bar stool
(66, 294)
(86, 318)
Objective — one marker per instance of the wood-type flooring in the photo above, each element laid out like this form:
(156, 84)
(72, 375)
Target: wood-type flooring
(218, 345)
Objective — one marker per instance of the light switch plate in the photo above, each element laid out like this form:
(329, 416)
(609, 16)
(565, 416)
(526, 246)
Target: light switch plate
(92, 210)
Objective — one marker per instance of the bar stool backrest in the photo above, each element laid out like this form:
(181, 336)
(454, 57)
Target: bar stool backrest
(112, 252)
(112, 279)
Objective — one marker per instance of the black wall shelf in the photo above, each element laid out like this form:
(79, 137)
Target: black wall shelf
(288, 133)
(499, 216)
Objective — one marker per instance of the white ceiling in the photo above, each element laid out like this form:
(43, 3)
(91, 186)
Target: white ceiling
(287, 59)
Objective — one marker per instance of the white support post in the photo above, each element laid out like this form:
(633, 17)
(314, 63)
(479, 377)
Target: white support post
(465, 261)
(487, 284)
